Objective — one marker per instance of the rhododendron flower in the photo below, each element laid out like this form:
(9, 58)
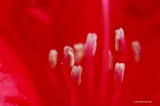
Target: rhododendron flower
(79, 52)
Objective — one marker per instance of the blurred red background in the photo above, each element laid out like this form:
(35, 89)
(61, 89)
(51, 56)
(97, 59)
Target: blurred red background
(30, 28)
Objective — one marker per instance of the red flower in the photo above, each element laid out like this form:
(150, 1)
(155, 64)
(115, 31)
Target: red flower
(31, 28)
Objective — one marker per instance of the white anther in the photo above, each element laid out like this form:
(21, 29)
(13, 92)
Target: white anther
(119, 34)
(79, 51)
(137, 50)
(76, 73)
(119, 71)
(68, 55)
(53, 58)
(92, 37)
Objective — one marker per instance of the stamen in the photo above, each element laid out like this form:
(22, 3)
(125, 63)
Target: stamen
(79, 51)
(120, 44)
(53, 58)
(76, 75)
(137, 50)
(119, 36)
(91, 45)
(92, 38)
(119, 71)
(67, 64)
(68, 56)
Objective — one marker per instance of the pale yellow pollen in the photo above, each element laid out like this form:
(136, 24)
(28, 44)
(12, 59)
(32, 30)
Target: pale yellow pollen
(68, 55)
(119, 69)
(53, 58)
(79, 52)
(92, 37)
(137, 50)
(119, 34)
(76, 73)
